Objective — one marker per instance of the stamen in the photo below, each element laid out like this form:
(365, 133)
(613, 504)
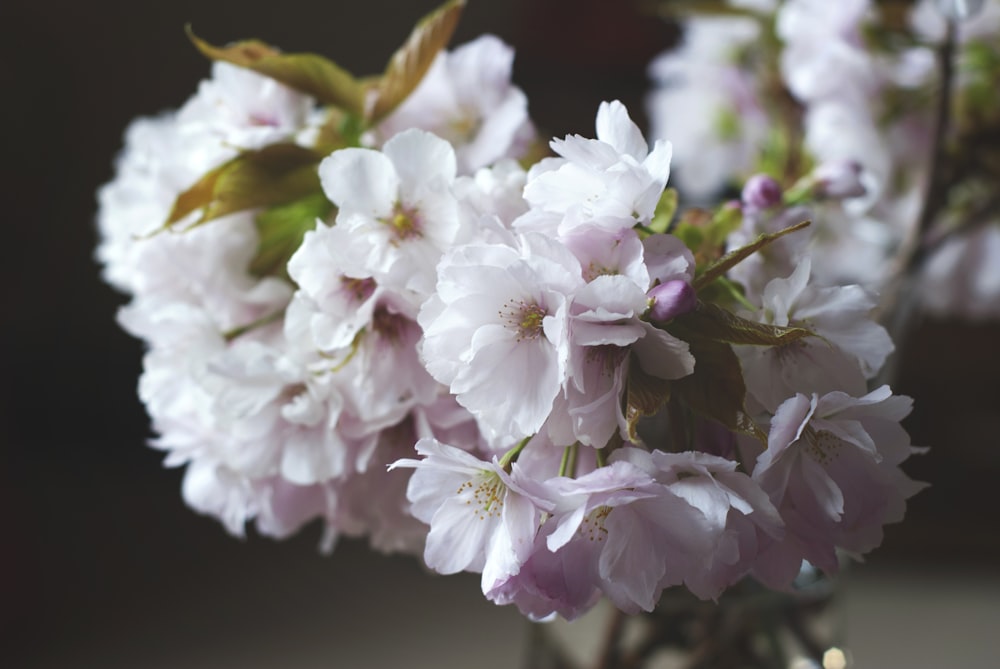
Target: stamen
(821, 445)
(592, 528)
(487, 495)
(526, 318)
(405, 223)
(359, 289)
(388, 325)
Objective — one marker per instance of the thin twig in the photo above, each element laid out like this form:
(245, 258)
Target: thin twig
(912, 252)
(898, 299)
(936, 183)
(612, 641)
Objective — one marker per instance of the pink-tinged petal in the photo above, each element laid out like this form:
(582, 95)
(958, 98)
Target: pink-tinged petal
(850, 431)
(663, 355)
(609, 297)
(566, 188)
(456, 539)
(511, 547)
(585, 152)
(528, 371)
(615, 127)
(631, 565)
(825, 491)
(786, 427)
(360, 180)
(658, 161)
(420, 157)
(667, 259)
(605, 334)
(566, 528)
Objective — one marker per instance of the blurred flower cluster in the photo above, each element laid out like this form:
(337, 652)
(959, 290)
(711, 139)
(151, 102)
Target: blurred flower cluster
(385, 304)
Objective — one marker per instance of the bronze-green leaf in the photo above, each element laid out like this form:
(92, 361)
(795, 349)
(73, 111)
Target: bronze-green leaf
(310, 73)
(410, 63)
(710, 321)
(716, 388)
(196, 197)
(644, 395)
(281, 229)
(733, 258)
(275, 174)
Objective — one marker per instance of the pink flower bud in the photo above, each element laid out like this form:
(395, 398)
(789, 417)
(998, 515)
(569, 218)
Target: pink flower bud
(839, 179)
(671, 299)
(761, 192)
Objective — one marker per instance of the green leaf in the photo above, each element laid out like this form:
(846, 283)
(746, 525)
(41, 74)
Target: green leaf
(705, 232)
(725, 263)
(410, 63)
(276, 174)
(710, 321)
(644, 395)
(725, 291)
(716, 389)
(306, 72)
(194, 198)
(281, 229)
(690, 229)
(665, 210)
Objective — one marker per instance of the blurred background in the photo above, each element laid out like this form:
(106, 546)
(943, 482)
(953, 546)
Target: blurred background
(101, 564)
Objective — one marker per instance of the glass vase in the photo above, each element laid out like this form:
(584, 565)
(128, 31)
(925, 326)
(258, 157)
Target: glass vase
(750, 627)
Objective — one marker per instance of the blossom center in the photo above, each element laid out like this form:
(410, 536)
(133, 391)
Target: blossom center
(389, 326)
(594, 270)
(404, 223)
(592, 528)
(525, 318)
(821, 445)
(485, 495)
(463, 128)
(359, 289)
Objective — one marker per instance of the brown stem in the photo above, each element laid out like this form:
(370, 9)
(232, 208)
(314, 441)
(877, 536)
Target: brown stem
(612, 641)
(899, 301)
(936, 182)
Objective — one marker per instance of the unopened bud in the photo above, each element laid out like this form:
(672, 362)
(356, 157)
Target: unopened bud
(761, 192)
(839, 179)
(671, 299)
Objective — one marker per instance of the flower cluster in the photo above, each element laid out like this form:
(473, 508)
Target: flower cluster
(376, 304)
(890, 111)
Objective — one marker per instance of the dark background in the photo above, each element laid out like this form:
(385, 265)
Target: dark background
(100, 563)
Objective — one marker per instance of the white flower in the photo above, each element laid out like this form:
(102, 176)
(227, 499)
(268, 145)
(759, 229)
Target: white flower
(614, 176)
(246, 110)
(480, 519)
(635, 536)
(491, 193)
(707, 105)
(832, 470)
(839, 314)
(467, 98)
(396, 210)
(495, 331)
(739, 513)
(849, 346)
(824, 55)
